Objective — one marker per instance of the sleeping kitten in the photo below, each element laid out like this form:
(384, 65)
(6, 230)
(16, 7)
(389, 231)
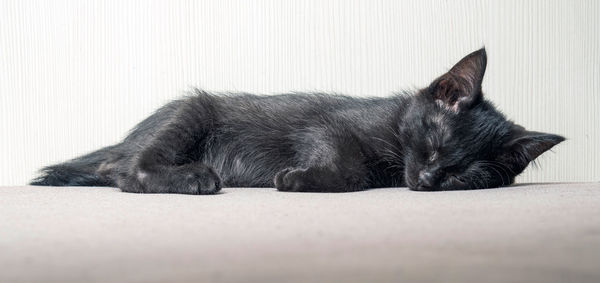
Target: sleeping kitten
(443, 137)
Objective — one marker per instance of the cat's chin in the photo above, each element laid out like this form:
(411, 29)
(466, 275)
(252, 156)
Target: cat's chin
(451, 184)
(424, 189)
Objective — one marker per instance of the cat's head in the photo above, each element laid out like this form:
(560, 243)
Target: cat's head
(455, 139)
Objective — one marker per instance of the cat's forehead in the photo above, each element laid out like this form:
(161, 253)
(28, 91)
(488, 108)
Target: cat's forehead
(449, 130)
(440, 126)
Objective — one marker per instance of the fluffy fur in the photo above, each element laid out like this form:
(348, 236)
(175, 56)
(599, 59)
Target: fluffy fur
(443, 137)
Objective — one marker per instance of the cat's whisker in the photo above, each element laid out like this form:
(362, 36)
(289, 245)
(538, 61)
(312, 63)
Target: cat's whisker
(481, 180)
(501, 166)
(386, 142)
(490, 166)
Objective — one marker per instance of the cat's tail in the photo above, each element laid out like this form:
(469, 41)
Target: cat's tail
(81, 171)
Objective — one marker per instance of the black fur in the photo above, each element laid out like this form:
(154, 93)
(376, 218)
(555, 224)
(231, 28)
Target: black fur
(443, 137)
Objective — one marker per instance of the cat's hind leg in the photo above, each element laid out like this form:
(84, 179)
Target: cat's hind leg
(169, 162)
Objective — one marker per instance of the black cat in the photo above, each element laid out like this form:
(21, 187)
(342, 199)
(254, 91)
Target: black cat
(443, 137)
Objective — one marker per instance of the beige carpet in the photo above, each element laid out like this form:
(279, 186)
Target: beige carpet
(524, 233)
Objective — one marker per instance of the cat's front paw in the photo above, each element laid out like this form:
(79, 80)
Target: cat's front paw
(317, 179)
(203, 181)
(292, 180)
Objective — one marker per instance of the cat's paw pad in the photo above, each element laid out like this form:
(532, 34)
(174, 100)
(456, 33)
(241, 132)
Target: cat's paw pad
(291, 180)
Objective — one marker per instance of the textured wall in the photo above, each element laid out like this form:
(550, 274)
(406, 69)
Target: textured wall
(76, 75)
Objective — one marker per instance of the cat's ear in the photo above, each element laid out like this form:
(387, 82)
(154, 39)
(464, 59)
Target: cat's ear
(525, 146)
(460, 87)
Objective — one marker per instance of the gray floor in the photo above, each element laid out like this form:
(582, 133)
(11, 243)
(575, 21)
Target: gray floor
(525, 233)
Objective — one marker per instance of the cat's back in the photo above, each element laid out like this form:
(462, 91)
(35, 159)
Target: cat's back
(301, 106)
(287, 102)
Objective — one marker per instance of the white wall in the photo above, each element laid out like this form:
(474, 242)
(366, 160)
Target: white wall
(76, 75)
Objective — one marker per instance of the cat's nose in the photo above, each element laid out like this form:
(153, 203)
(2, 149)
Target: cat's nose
(426, 179)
